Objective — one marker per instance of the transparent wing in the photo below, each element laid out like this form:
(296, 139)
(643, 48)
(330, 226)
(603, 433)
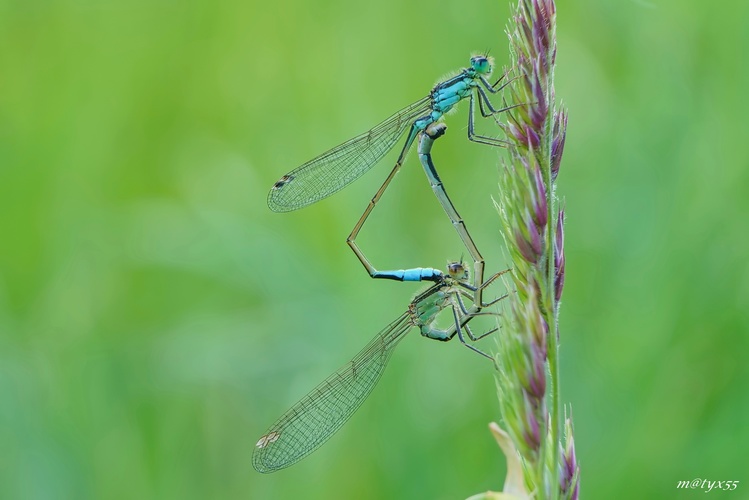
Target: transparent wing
(332, 171)
(319, 414)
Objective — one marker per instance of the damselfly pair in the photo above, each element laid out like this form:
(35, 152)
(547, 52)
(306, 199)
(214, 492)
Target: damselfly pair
(317, 416)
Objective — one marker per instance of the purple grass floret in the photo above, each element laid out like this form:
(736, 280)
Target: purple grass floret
(533, 229)
(541, 204)
(533, 139)
(559, 258)
(557, 143)
(569, 477)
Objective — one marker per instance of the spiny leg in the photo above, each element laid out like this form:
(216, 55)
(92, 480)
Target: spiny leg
(496, 87)
(484, 101)
(464, 288)
(480, 139)
(475, 311)
(459, 330)
(487, 283)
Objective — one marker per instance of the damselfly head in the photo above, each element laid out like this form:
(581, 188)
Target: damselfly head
(457, 271)
(482, 64)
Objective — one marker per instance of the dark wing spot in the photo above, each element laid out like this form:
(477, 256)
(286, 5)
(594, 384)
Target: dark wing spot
(283, 181)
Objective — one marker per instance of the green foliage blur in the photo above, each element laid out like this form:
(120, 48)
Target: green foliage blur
(156, 317)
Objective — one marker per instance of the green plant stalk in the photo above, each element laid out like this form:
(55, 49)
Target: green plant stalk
(529, 380)
(553, 338)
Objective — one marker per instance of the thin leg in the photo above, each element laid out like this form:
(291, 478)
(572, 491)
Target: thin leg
(459, 329)
(484, 113)
(484, 101)
(477, 312)
(475, 338)
(471, 296)
(496, 88)
(488, 282)
(461, 318)
(472, 136)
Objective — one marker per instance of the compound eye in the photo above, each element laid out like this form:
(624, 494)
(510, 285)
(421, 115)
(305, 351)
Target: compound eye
(457, 271)
(480, 64)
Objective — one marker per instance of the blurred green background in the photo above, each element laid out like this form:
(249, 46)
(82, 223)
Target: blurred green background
(156, 317)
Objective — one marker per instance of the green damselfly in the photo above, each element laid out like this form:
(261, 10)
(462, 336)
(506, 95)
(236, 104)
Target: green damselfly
(318, 415)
